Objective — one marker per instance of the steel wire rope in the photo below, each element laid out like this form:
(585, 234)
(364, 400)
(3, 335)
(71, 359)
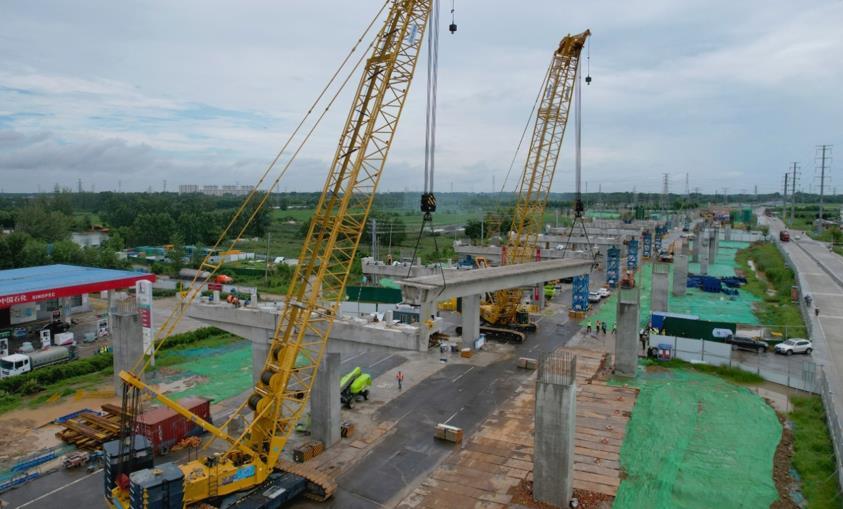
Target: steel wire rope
(178, 313)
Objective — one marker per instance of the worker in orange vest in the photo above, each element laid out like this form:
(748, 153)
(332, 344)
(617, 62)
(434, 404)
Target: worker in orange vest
(400, 377)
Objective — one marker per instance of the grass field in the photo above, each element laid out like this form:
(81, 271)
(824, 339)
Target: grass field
(773, 287)
(813, 455)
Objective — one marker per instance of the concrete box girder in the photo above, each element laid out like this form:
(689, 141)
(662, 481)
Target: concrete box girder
(481, 281)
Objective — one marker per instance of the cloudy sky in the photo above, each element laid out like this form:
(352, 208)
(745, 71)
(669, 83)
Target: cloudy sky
(206, 92)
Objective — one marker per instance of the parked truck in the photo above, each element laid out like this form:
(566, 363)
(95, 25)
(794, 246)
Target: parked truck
(19, 363)
(784, 236)
(201, 274)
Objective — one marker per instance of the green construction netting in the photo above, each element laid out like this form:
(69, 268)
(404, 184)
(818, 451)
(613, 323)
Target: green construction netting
(221, 373)
(697, 441)
(708, 306)
(602, 214)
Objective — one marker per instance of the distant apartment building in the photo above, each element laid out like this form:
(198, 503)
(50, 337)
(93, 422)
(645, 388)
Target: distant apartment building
(89, 239)
(213, 190)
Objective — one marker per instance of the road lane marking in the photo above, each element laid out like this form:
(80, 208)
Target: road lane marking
(453, 415)
(45, 495)
(382, 360)
(462, 375)
(353, 357)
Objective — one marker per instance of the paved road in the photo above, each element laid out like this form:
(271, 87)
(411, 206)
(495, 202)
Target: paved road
(819, 272)
(459, 395)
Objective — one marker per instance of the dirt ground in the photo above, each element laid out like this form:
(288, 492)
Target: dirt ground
(781, 468)
(522, 496)
(27, 430)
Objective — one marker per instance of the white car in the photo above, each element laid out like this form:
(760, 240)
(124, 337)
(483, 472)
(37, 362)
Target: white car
(797, 237)
(593, 296)
(794, 345)
(604, 292)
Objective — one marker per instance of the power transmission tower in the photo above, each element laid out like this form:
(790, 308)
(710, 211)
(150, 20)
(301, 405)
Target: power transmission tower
(687, 186)
(794, 175)
(824, 160)
(784, 199)
(665, 189)
(79, 186)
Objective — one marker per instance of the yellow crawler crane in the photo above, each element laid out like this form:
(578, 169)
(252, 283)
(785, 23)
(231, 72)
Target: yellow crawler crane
(504, 309)
(313, 298)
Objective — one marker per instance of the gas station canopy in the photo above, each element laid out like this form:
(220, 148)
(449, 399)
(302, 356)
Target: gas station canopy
(46, 282)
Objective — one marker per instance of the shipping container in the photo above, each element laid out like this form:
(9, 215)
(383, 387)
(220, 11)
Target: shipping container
(164, 427)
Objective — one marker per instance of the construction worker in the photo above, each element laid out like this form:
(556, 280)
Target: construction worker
(604, 327)
(597, 327)
(400, 377)
(614, 328)
(588, 327)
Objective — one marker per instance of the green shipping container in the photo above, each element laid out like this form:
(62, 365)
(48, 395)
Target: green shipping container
(373, 294)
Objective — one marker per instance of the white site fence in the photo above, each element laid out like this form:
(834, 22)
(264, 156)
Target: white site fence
(741, 235)
(790, 371)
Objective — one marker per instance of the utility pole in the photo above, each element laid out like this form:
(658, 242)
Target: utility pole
(824, 152)
(784, 200)
(266, 270)
(374, 239)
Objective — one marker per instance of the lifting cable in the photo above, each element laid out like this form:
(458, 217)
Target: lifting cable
(428, 199)
(578, 204)
(175, 317)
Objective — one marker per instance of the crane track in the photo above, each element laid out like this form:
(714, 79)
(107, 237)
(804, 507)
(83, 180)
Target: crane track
(327, 485)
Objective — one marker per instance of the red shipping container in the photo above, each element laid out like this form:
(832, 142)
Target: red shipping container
(164, 427)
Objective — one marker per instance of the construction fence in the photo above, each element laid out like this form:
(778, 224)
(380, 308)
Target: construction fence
(789, 371)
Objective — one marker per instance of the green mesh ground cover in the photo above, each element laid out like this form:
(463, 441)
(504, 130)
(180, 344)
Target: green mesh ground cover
(697, 441)
(725, 260)
(602, 214)
(226, 371)
(708, 306)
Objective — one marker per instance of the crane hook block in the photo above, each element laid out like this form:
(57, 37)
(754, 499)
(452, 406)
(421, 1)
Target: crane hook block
(452, 27)
(588, 80)
(428, 203)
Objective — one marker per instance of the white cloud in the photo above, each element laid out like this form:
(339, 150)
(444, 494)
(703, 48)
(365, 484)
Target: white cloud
(727, 91)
